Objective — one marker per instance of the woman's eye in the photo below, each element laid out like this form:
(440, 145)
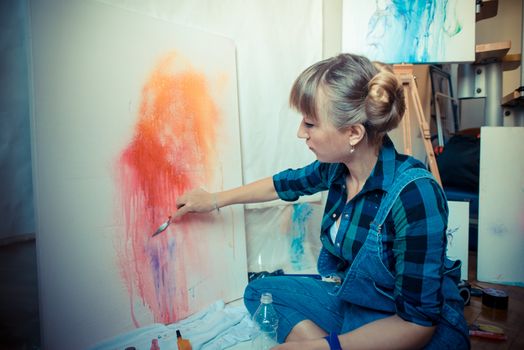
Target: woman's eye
(308, 125)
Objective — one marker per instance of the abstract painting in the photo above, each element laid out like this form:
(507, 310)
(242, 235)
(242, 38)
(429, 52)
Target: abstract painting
(284, 237)
(128, 114)
(420, 31)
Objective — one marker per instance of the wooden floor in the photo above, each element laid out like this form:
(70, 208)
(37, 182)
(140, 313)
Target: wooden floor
(511, 320)
(19, 322)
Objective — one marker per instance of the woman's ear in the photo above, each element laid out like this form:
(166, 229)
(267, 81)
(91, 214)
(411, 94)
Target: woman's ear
(356, 133)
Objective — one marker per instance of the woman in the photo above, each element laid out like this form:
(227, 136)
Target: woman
(387, 284)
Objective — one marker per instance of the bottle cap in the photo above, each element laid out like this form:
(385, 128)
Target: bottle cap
(266, 298)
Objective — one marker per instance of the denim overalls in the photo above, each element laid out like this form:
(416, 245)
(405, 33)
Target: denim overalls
(366, 293)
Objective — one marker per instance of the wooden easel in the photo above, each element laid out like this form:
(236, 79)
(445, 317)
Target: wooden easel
(414, 110)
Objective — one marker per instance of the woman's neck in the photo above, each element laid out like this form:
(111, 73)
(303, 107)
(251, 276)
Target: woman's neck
(361, 164)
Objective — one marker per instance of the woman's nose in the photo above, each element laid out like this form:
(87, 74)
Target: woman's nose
(302, 132)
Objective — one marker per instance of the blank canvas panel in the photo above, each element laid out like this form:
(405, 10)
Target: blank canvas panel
(129, 112)
(458, 235)
(410, 31)
(501, 206)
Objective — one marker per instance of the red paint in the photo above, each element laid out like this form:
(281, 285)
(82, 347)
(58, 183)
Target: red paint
(171, 151)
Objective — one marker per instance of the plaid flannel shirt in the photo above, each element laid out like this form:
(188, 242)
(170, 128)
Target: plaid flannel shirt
(414, 234)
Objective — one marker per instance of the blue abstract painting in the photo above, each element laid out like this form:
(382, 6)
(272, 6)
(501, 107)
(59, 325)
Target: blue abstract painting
(410, 31)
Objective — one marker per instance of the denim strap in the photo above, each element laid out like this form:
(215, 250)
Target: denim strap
(405, 178)
(334, 343)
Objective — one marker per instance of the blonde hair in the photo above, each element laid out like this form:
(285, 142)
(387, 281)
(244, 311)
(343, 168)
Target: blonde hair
(356, 91)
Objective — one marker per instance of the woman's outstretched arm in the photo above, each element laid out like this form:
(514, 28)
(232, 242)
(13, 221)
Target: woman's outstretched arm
(200, 201)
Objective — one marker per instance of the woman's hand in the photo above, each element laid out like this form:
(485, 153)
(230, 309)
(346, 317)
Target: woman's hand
(200, 201)
(195, 201)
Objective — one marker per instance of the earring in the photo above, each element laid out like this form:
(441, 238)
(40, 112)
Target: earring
(351, 148)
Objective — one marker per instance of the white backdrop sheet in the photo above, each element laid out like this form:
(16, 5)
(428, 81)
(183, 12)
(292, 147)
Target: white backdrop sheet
(275, 41)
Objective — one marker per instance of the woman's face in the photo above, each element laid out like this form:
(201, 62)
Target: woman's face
(329, 144)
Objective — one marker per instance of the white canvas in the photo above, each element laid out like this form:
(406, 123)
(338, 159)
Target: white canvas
(501, 206)
(458, 235)
(410, 31)
(129, 111)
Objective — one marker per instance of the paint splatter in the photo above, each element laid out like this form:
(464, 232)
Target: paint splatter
(450, 234)
(411, 31)
(498, 229)
(171, 151)
(300, 218)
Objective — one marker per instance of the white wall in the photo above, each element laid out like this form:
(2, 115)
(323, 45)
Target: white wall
(332, 27)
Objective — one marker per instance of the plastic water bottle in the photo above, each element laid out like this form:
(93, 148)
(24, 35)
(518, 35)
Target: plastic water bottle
(266, 320)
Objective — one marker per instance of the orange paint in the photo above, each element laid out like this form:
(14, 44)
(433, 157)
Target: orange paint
(172, 150)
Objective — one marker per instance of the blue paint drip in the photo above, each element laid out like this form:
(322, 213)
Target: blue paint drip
(299, 218)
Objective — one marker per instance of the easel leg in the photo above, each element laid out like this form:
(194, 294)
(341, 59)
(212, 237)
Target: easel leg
(405, 74)
(424, 131)
(406, 126)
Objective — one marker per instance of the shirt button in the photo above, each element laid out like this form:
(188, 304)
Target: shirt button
(338, 244)
(334, 215)
(346, 216)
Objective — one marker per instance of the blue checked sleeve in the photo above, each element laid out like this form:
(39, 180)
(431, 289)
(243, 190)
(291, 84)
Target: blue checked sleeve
(292, 183)
(420, 218)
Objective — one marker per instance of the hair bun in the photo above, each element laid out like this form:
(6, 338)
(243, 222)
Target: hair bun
(384, 104)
